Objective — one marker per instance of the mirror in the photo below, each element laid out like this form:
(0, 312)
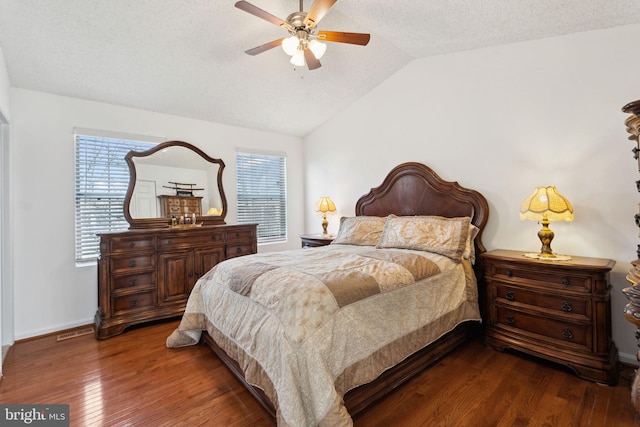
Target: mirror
(177, 179)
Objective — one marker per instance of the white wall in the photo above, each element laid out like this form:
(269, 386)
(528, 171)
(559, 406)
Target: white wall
(504, 120)
(51, 293)
(6, 280)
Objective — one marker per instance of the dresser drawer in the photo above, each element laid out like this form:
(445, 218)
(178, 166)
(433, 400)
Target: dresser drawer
(562, 332)
(239, 250)
(563, 305)
(240, 236)
(134, 301)
(174, 210)
(134, 280)
(556, 279)
(125, 263)
(187, 240)
(131, 244)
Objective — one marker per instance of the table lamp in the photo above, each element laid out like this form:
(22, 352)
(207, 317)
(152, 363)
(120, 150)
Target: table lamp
(323, 206)
(546, 204)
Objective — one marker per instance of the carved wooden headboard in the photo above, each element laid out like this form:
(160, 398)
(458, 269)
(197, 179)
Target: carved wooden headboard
(415, 189)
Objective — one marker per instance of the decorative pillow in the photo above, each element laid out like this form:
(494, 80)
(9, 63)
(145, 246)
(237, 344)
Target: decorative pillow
(360, 230)
(469, 247)
(444, 236)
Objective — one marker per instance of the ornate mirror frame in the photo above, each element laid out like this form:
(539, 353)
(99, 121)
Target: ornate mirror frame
(138, 223)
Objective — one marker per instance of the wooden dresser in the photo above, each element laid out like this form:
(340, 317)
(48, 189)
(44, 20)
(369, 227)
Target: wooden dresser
(557, 310)
(180, 205)
(146, 275)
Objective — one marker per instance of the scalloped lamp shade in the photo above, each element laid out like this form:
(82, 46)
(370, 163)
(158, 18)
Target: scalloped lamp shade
(546, 204)
(324, 206)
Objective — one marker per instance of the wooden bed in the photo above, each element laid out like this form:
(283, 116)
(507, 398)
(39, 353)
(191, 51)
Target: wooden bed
(409, 189)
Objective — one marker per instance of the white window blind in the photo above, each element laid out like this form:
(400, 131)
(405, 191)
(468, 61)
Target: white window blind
(262, 194)
(102, 179)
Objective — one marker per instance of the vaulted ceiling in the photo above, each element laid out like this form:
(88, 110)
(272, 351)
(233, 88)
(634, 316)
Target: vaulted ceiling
(186, 57)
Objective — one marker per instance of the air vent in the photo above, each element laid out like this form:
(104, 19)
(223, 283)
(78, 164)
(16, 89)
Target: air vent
(74, 334)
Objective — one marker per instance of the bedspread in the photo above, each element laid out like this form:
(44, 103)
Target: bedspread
(307, 326)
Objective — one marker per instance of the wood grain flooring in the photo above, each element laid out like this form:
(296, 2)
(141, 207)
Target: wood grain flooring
(134, 380)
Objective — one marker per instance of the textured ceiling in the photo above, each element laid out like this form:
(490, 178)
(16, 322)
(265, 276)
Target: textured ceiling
(186, 57)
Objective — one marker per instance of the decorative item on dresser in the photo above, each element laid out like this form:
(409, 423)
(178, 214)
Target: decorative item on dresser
(315, 240)
(632, 309)
(557, 310)
(148, 272)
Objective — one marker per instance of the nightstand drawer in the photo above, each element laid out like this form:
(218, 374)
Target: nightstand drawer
(554, 279)
(562, 332)
(563, 305)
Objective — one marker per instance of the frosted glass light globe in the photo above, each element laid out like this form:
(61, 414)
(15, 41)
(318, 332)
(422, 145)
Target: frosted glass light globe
(290, 45)
(317, 48)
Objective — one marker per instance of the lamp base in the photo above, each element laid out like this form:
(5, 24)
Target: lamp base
(547, 257)
(325, 223)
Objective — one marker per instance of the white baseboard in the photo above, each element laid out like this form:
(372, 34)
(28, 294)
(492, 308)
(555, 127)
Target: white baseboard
(629, 359)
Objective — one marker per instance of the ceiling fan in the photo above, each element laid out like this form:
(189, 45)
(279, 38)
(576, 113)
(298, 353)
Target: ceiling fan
(304, 45)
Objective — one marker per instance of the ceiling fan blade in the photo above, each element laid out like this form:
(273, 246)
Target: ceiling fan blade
(256, 11)
(312, 61)
(318, 9)
(341, 37)
(264, 47)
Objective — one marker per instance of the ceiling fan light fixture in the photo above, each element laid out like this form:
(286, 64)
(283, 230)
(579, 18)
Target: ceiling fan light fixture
(298, 58)
(318, 48)
(290, 45)
(301, 44)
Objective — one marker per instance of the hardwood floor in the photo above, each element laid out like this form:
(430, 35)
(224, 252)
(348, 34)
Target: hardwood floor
(134, 380)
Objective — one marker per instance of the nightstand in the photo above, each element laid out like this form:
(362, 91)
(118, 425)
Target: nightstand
(315, 240)
(557, 310)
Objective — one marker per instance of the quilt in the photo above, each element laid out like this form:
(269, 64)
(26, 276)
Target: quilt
(306, 326)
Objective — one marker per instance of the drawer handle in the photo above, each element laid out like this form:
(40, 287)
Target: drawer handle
(133, 302)
(215, 237)
(510, 319)
(239, 250)
(169, 242)
(565, 282)
(132, 244)
(509, 295)
(132, 282)
(132, 263)
(566, 306)
(567, 334)
(509, 273)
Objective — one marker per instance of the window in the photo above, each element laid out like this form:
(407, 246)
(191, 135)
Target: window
(262, 194)
(102, 179)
